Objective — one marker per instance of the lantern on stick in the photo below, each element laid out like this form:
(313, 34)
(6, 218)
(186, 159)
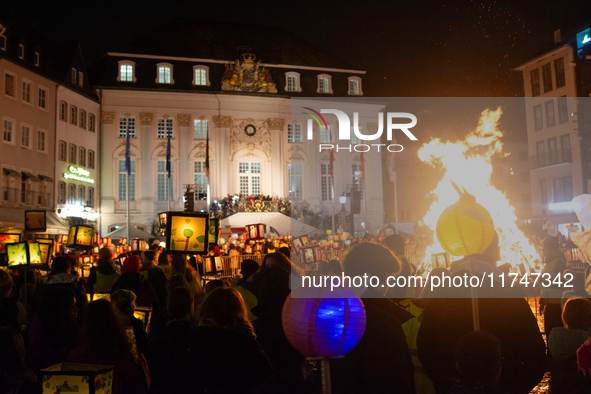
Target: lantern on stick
(322, 327)
(9, 235)
(81, 237)
(255, 231)
(187, 233)
(47, 249)
(23, 253)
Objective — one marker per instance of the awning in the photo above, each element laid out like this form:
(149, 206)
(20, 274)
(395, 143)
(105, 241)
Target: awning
(28, 175)
(45, 178)
(9, 172)
(15, 217)
(134, 233)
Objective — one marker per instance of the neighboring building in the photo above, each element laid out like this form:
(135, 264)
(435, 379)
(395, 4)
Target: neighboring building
(77, 135)
(39, 91)
(27, 113)
(190, 79)
(550, 84)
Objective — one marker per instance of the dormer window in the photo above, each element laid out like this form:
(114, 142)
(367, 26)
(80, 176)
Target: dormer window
(200, 75)
(355, 86)
(126, 71)
(80, 79)
(37, 57)
(74, 75)
(292, 82)
(164, 73)
(21, 51)
(324, 83)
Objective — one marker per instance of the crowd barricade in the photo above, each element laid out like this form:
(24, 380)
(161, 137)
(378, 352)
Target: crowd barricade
(232, 272)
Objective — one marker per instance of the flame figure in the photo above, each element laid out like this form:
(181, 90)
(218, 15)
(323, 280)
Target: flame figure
(468, 164)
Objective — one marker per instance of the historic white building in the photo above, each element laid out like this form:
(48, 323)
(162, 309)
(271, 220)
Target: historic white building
(203, 83)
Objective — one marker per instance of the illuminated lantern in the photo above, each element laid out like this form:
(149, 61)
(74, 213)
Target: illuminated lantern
(162, 220)
(214, 231)
(81, 237)
(35, 221)
(63, 239)
(23, 253)
(321, 326)
(466, 227)
(47, 249)
(187, 233)
(107, 242)
(311, 254)
(9, 235)
(255, 231)
(242, 237)
(138, 244)
(74, 377)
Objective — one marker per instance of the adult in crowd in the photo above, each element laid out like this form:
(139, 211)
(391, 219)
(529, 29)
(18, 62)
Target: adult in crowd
(511, 320)
(245, 286)
(563, 344)
(60, 273)
(54, 330)
(271, 287)
(223, 355)
(102, 277)
(164, 263)
(180, 266)
(15, 376)
(104, 342)
(154, 275)
(131, 280)
(381, 361)
(8, 307)
(395, 243)
(167, 374)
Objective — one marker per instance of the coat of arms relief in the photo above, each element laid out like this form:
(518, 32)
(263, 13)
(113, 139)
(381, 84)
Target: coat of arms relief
(246, 75)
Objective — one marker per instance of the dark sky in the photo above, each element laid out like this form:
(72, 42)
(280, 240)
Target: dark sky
(409, 48)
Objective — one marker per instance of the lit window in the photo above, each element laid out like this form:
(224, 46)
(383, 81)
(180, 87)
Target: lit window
(126, 71)
(90, 159)
(324, 83)
(164, 73)
(201, 128)
(200, 76)
(73, 153)
(165, 128)
(42, 98)
(294, 133)
(355, 86)
(325, 135)
(126, 124)
(200, 178)
(292, 82)
(295, 181)
(123, 181)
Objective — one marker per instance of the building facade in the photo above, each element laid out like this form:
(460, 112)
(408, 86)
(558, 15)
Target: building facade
(237, 96)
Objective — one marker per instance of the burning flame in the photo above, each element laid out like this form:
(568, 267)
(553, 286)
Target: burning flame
(468, 164)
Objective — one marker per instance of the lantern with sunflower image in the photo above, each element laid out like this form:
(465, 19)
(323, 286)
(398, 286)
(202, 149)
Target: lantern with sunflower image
(187, 233)
(81, 237)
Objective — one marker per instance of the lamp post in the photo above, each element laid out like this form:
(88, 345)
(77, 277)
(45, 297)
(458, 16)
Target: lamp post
(343, 200)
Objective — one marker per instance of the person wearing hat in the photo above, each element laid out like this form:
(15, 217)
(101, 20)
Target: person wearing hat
(245, 288)
(103, 276)
(8, 307)
(131, 280)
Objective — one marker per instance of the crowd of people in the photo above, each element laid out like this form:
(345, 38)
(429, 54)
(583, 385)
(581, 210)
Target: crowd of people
(232, 204)
(227, 336)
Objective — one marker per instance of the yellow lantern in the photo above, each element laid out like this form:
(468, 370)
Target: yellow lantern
(187, 233)
(466, 227)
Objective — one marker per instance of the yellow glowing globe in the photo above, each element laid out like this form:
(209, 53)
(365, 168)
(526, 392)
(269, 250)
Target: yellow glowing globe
(465, 228)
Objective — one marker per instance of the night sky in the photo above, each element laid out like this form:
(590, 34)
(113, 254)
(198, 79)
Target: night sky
(409, 48)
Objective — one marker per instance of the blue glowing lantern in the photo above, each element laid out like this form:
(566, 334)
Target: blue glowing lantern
(322, 327)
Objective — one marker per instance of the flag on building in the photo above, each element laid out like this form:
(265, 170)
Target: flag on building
(207, 157)
(127, 152)
(168, 165)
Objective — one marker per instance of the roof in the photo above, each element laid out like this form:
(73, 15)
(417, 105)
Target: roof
(226, 41)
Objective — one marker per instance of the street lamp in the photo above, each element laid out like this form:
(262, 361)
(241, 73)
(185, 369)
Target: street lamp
(343, 201)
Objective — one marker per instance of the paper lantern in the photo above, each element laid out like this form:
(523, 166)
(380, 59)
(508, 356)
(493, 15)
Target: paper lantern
(35, 221)
(242, 237)
(162, 220)
(144, 313)
(187, 233)
(47, 249)
(23, 253)
(319, 325)
(214, 231)
(107, 242)
(9, 235)
(63, 239)
(466, 227)
(255, 231)
(81, 237)
(138, 244)
(80, 378)
(311, 254)
(213, 264)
